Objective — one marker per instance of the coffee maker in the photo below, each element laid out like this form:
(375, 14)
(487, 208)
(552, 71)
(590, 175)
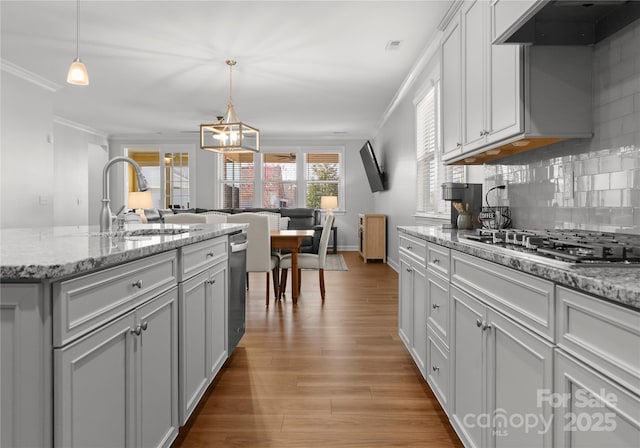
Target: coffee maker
(463, 197)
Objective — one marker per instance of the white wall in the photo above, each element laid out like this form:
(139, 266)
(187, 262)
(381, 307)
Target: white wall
(26, 156)
(97, 159)
(71, 177)
(45, 160)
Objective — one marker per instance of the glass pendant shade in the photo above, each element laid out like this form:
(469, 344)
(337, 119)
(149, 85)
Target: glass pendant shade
(229, 134)
(78, 73)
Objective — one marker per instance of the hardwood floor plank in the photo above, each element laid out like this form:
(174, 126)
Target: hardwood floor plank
(330, 374)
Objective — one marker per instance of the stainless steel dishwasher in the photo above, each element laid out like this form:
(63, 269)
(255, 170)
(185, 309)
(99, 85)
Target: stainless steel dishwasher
(237, 288)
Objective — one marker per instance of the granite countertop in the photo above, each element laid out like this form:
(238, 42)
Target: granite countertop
(56, 252)
(618, 284)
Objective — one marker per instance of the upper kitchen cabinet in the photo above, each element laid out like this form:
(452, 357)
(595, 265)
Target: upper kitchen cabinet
(513, 98)
(451, 81)
(508, 15)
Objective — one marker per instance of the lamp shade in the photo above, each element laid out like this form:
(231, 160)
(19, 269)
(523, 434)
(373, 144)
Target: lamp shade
(329, 202)
(140, 199)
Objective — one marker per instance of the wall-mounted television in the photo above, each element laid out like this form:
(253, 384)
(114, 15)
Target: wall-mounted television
(371, 167)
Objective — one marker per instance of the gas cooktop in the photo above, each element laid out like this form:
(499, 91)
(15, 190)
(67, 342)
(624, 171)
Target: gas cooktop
(564, 247)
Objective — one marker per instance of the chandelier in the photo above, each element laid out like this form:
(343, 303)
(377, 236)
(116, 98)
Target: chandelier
(229, 134)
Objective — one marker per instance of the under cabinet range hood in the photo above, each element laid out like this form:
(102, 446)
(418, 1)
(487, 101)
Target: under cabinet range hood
(574, 22)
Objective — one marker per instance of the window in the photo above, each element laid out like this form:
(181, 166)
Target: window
(279, 180)
(431, 172)
(237, 179)
(167, 176)
(322, 177)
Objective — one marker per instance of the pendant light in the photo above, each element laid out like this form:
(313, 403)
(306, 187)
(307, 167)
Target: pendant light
(78, 72)
(229, 134)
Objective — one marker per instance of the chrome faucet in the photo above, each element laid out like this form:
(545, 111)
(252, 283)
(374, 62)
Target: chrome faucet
(106, 218)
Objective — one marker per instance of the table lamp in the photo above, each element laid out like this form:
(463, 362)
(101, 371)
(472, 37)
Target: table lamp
(329, 203)
(139, 200)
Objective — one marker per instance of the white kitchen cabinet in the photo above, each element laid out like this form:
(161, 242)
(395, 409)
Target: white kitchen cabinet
(508, 15)
(413, 299)
(497, 368)
(203, 319)
(595, 411)
(25, 359)
(491, 82)
(498, 100)
(451, 85)
(118, 385)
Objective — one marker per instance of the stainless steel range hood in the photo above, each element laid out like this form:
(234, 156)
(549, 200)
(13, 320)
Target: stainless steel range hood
(571, 22)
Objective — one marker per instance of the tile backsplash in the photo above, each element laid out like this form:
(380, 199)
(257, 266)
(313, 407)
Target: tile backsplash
(591, 184)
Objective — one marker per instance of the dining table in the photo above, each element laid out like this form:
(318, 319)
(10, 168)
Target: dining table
(291, 240)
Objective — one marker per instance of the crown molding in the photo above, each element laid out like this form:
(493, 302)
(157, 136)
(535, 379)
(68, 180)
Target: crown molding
(451, 12)
(432, 48)
(26, 75)
(79, 127)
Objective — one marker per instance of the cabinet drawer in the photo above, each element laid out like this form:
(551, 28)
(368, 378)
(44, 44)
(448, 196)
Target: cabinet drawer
(414, 246)
(195, 258)
(84, 303)
(603, 334)
(438, 369)
(438, 306)
(526, 299)
(438, 259)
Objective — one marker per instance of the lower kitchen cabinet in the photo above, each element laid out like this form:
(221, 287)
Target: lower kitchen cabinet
(118, 386)
(498, 368)
(25, 357)
(203, 334)
(590, 409)
(413, 308)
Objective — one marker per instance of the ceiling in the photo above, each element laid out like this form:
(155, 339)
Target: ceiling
(305, 69)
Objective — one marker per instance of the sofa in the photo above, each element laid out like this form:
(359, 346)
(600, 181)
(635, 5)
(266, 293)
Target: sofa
(298, 219)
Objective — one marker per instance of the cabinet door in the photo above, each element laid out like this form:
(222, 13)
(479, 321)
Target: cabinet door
(405, 303)
(25, 366)
(597, 412)
(217, 319)
(519, 366)
(194, 372)
(420, 317)
(467, 368)
(474, 45)
(504, 95)
(157, 350)
(94, 388)
(451, 85)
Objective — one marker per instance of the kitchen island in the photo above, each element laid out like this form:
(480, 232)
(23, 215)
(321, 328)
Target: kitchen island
(518, 351)
(96, 346)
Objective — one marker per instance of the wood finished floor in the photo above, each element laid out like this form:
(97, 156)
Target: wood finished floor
(322, 375)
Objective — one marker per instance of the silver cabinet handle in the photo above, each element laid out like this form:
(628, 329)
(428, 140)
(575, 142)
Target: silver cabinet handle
(409, 269)
(436, 260)
(435, 369)
(435, 306)
(211, 281)
(486, 326)
(137, 284)
(209, 254)
(144, 325)
(137, 330)
(458, 145)
(409, 247)
(478, 323)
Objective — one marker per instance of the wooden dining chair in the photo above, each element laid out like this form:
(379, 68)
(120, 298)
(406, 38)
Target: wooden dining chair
(309, 261)
(259, 257)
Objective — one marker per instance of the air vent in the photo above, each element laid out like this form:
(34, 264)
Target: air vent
(393, 45)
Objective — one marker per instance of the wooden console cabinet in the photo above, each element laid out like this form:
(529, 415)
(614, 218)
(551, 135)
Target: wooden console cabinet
(372, 237)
